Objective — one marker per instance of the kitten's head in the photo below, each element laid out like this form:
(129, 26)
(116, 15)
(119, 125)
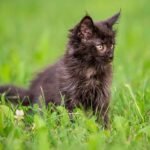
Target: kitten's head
(93, 41)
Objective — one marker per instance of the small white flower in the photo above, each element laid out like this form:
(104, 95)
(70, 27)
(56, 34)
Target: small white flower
(19, 114)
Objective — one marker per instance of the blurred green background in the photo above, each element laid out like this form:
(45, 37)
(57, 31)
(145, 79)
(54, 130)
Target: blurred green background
(33, 34)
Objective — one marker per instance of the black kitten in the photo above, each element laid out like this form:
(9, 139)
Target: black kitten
(83, 75)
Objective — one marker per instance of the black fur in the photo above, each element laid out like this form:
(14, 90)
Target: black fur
(83, 75)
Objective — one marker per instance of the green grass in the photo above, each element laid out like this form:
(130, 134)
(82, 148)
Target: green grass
(33, 34)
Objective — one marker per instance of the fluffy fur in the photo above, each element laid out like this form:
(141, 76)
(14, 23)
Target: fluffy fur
(83, 75)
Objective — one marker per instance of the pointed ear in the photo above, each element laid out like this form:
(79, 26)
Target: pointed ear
(86, 28)
(112, 20)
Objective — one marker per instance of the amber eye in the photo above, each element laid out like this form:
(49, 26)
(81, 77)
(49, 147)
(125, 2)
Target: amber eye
(101, 48)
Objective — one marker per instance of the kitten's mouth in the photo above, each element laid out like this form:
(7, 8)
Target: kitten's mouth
(110, 59)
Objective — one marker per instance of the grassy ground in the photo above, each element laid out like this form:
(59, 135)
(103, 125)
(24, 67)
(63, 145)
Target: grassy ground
(33, 33)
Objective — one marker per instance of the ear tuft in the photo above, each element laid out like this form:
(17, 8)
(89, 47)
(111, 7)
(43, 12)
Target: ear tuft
(86, 28)
(112, 20)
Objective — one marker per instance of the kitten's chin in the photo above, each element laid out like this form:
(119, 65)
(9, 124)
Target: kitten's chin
(110, 60)
(104, 61)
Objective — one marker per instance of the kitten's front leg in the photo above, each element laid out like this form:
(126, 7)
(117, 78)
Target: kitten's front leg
(71, 104)
(104, 115)
(101, 111)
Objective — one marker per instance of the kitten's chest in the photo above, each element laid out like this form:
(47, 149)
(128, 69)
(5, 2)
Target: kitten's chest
(89, 86)
(90, 73)
(93, 82)
(86, 82)
(93, 86)
(91, 78)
